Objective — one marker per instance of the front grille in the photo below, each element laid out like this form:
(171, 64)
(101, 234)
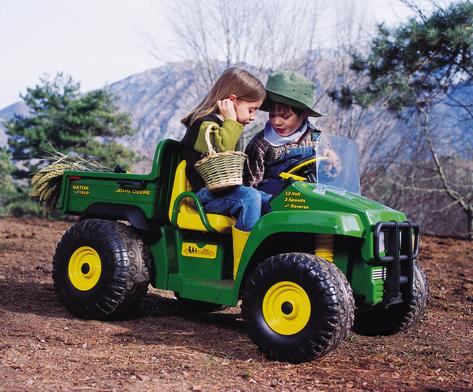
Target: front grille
(398, 261)
(378, 273)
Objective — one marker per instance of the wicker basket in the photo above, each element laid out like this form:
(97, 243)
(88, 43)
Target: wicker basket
(220, 170)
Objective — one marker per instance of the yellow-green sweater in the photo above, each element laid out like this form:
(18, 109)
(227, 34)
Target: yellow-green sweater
(224, 138)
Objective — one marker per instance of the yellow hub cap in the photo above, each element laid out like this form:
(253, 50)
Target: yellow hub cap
(84, 268)
(286, 308)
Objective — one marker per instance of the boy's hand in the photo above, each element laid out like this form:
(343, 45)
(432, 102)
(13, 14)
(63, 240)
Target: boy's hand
(227, 110)
(332, 166)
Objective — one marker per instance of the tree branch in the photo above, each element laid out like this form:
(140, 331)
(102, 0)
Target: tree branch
(452, 193)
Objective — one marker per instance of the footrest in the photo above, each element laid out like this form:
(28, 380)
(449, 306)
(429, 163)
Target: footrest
(215, 291)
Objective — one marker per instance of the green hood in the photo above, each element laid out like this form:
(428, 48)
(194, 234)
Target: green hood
(301, 196)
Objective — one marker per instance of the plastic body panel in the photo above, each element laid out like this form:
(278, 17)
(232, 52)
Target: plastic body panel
(198, 264)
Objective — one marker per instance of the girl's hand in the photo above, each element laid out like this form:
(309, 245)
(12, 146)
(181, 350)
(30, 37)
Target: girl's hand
(227, 110)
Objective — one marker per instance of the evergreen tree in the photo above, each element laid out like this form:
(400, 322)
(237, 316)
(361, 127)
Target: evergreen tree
(410, 69)
(418, 63)
(14, 195)
(63, 118)
(6, 181)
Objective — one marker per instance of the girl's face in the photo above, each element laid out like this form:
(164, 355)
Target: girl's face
(246, 111)
(286, 123)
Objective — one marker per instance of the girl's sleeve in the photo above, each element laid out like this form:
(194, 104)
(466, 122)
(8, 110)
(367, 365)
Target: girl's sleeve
(223, 138)
(254, 168)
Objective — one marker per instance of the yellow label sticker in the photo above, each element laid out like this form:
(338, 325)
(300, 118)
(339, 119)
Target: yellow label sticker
(191, 249)
(82, 190)
(296, 206)
(134, 191)
(294, 201)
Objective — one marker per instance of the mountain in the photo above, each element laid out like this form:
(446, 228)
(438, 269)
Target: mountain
(158, 98)
(6, 114)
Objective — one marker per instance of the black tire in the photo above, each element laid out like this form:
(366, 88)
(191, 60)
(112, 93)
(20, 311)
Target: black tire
(329, 296)
(123, 262)
(191, 306)
(399, 317)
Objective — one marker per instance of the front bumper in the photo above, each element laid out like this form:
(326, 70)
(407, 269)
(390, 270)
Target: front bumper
(398, 260)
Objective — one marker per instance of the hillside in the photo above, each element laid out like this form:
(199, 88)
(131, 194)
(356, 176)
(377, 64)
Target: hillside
(158, 98)
(18, 108)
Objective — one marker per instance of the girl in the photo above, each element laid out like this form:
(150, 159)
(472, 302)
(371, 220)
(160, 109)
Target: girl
(230, 105)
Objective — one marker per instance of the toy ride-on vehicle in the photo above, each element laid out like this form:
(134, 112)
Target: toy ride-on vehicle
(323, 261)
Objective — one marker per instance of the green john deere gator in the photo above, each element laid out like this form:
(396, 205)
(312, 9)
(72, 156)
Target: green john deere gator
(323, 261)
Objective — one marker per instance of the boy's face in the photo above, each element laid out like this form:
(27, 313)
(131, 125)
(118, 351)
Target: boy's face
(285, 123)
(246, 111)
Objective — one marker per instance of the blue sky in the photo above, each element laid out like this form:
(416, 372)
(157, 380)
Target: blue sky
(94, 41)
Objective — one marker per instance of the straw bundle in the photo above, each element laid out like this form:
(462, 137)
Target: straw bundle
(46, 183)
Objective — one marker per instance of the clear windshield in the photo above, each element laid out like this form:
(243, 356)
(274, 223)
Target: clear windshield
(337, 163)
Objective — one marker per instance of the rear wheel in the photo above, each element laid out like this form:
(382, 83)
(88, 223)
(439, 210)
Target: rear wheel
(100, 269)
(297, 307)
(399, 317)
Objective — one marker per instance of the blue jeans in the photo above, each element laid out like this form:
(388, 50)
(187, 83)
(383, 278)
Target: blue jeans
(242, 202)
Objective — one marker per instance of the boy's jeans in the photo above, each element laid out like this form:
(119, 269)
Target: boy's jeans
(245, 203)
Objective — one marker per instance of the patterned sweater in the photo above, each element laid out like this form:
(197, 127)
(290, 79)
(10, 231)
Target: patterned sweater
(261, 153)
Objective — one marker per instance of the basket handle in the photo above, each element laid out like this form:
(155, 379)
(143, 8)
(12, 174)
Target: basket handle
(207, 139)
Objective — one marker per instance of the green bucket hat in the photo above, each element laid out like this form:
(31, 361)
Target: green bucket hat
(290, 88)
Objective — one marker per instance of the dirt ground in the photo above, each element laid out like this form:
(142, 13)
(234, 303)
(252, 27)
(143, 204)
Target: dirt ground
(43, 347)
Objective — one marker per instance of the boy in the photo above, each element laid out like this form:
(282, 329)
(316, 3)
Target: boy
(288, 137)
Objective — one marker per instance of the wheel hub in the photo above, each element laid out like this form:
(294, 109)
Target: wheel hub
(286, 308)
(85, 268)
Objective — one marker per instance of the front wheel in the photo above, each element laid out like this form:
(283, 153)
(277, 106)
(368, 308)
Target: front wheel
(100, 269)
(399, 317)
(297, 307)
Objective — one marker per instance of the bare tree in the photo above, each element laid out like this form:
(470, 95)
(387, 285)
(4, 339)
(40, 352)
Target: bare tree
(268, 34)
(460, 194)
(280, 35)
(262, 36)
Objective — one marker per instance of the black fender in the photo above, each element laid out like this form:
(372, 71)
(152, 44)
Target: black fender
(133, 214)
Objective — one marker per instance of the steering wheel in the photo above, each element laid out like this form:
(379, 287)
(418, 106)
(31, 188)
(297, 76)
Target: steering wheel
(305, 169)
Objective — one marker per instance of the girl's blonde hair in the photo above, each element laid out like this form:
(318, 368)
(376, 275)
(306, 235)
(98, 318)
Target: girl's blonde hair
(234, 80)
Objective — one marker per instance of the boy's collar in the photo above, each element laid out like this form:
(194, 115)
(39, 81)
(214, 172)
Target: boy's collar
(276, 140)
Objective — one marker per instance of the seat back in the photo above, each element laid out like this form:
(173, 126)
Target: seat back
(188, 217)
(180, 185)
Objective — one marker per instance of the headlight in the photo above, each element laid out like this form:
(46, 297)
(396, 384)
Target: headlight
(381, 243)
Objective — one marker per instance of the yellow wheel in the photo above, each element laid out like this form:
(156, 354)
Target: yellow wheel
(296, 306)
(101, 269)
(85, 268)
(286, 308)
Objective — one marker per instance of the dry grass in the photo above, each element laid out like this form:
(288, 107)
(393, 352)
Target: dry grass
(46, 183)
